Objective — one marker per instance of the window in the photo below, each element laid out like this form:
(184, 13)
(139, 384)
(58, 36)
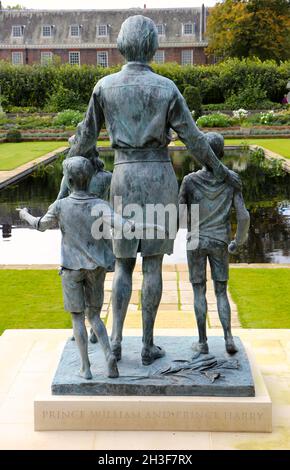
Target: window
(17, 31)
(74, 58)
(102, 30)
(188, 28)
(102, 58)
(186, 57)
(47, 31)
(75, 30)
(159, 57)
(160, 29)
(46, 57)
(17, 58)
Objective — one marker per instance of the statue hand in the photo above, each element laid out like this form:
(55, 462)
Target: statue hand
(233, 248)
(22, 213)
(234, 180)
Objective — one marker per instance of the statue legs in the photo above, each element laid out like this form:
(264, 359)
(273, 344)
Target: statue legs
(122, 290)
(224, 311)
(151, 296)
(200, 309)
(81, 337)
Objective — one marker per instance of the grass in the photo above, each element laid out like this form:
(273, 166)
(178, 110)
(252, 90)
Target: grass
(280, 146)
(13, 155)
(31, 299)
(262, 297)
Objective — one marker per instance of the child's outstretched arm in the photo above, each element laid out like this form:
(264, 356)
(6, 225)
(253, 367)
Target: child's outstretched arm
(119, 223)
(243, 223)
(49, 220)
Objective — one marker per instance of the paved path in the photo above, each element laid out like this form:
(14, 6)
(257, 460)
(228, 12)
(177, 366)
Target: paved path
(11, 176)
(176, 307)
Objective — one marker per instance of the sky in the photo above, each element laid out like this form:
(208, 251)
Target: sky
(109, 4)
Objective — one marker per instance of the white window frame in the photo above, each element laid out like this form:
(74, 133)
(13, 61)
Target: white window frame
(75, 54)
(18, 54)
(78, 29)
(99, 28)
(161, 54)
(186, 61)
(46, 57)
(100, 61)
(49, 27)
(17, 27)
(162, 27)
(184, 27)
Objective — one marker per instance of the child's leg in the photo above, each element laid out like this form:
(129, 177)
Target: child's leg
(94, 292)
(200, 309)
(197, 273)
(224, 311)
(81, 337)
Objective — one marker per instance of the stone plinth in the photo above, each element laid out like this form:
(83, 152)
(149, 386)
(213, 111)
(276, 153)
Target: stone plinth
(158, 413)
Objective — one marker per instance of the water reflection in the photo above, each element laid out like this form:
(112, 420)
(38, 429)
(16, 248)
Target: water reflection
(267, 197)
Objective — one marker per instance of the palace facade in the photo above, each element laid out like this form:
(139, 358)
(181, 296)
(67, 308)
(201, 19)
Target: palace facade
(90, 36)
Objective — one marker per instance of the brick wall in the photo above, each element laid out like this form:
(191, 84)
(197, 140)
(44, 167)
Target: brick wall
(89, 56)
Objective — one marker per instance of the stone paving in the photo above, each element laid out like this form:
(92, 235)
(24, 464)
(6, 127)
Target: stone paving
(176, 307)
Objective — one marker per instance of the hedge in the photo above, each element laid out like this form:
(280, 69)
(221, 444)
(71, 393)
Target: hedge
(34, 86)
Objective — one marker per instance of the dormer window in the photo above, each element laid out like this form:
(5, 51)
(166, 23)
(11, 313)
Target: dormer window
(188, 29)
(75, 30)
(102, 30)
(17, 31)
(160, 29)
(47, 31)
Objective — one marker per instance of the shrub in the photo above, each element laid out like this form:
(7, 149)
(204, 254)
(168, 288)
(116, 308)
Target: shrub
(63, 99)
(68, 118)
(26, 86)
(193, 99)
(215, 120)
(22, 109)
(13, 136)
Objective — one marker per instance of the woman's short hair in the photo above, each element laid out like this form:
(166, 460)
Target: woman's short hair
(79, 170)
(138, 39)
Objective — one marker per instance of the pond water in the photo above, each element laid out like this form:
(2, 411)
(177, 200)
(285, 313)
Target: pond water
(267, 197)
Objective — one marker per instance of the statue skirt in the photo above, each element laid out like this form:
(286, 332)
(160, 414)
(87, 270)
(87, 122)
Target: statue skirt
(145, 178)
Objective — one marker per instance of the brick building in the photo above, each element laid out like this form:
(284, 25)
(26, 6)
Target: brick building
(90, 36)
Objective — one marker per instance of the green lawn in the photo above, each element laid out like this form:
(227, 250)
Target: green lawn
(13, 155)
(262, 297)
(31, 299)
(281, 146)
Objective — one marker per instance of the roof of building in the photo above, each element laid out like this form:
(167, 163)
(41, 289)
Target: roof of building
(32, 22)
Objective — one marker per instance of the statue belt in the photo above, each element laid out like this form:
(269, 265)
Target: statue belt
(146, 155)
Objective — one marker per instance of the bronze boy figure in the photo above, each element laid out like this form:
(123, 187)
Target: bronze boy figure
(84, 259)
(215, 199)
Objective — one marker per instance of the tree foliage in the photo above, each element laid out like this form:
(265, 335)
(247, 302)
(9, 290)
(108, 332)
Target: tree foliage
(253, 28)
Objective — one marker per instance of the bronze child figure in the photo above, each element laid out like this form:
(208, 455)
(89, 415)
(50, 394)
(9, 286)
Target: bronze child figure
(84, 259)
(215, 200)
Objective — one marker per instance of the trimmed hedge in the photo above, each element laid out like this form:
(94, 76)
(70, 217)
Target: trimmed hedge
(34, 86)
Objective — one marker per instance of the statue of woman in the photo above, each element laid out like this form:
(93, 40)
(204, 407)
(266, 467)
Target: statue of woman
(139, 108)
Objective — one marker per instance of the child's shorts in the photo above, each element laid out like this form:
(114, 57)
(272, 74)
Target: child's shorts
(83, 288)
(218, 256)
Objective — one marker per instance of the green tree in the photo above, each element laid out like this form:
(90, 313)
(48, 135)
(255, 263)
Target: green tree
(253, 28)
